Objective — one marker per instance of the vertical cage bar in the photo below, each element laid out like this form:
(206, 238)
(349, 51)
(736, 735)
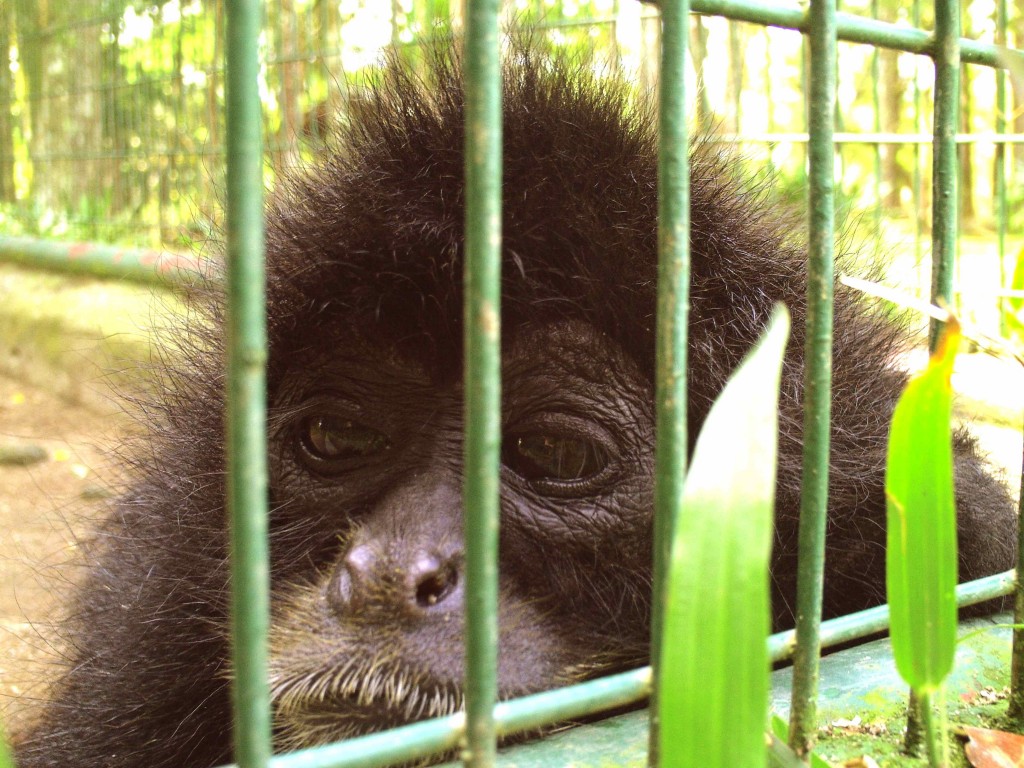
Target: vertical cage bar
(673, 311)
(482, 373)
(944, 156)
(1016, 706)
(1016, 703)
(817, 373)
(876, 147)
(246, 364)
(915, 20)
(1000, 164)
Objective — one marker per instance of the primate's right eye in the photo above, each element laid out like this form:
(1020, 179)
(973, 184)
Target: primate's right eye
(327, 439)
(554, 458)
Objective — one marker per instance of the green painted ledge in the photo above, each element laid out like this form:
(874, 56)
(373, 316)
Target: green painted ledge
(857, 682)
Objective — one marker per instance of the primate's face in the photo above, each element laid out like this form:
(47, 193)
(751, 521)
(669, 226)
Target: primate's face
(367, 526)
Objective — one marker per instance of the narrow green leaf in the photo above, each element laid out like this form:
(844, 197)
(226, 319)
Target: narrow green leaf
(714, 669)
(6, 761)
(781, 755)
(780, 729)
(1013, 308)
(921, 560)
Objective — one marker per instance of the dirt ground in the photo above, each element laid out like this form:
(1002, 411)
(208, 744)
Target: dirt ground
(43, 505)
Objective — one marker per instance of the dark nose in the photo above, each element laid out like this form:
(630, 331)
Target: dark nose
(414, 580)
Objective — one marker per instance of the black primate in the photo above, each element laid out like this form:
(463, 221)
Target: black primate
(365, 254)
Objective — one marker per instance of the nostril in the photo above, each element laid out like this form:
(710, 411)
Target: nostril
(409, 578)
(436, 584)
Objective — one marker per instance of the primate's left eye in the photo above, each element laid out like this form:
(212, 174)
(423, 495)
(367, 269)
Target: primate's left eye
(326, 438)
(553, 457)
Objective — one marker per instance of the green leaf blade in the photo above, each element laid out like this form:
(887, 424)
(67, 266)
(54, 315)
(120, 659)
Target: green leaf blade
(921, 556)
(6, 760)
(713, 679)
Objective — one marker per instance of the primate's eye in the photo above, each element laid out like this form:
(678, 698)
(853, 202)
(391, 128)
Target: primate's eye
(554, 457)
(333, 439)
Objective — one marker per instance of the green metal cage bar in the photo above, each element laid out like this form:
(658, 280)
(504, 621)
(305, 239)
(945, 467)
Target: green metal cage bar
(246, 397)
(482, 375)
(1016, 705)
(672, 311)
(999, 180)
(876, 106)
(149, 267)
(944, 159)
(430, 737)
(817, 373)
(249, 354)
(855, 29)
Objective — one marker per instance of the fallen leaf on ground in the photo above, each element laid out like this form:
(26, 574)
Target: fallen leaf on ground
(993, 749)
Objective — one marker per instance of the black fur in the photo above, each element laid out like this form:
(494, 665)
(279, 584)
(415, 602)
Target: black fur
(365, 252)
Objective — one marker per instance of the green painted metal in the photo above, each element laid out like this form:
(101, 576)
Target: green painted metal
(876, 106)
(246, 406)
(1016, 708)
(1000, 166)
(430, 737)
(482, 375)
(854, 626)
(944, 160)
(400, 745)
(161, 268)
(574, 701)
(857, 681)
(855, 29)
(672, 310)
(915, 20)
(1016, 704)
(861, 679)
(817, 373)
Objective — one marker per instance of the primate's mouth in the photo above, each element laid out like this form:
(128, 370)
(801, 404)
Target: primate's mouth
(356, 698)
(397, 705)
(387, 712)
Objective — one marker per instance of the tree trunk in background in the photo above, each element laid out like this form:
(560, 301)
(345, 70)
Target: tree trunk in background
(7, 191)
(894, 89)
(115, 130)
(76, 123)
(291, 74)
(1016, 107)
(213, 102)
(171, 156)
(30, 51)
(699, 54)
(650, 26)
(736, 72)
(965, 153)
